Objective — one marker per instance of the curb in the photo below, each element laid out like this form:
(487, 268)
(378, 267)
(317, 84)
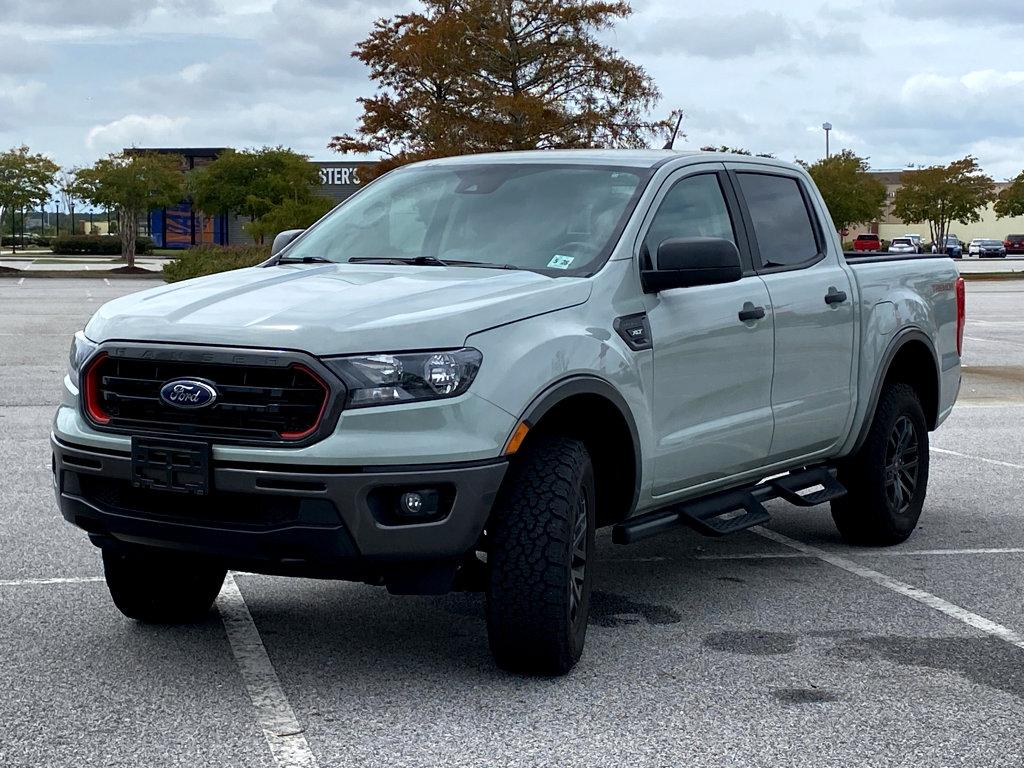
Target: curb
(992, 275)
(154, 275)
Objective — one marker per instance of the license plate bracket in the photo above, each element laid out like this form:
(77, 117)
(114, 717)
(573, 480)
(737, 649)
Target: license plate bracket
(172, 465)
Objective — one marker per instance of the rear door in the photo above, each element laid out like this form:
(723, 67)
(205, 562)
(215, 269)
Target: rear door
(812, 301)
(711, 395)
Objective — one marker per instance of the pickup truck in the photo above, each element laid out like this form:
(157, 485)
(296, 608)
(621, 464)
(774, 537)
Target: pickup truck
(457, 376)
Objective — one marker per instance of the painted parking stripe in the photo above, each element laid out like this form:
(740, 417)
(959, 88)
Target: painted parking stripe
(978, 459)
(865, 552)
(280, 727)
(48, 580)
(958, 613)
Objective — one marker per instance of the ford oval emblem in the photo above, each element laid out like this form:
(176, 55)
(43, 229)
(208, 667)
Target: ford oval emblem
(187, 394)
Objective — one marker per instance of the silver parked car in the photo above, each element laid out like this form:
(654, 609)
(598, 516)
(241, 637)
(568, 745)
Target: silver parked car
(902, 246)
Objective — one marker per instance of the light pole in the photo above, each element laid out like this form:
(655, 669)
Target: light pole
(827, 127)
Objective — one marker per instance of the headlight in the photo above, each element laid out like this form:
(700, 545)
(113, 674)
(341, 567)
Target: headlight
(81, 349)
(376, 380)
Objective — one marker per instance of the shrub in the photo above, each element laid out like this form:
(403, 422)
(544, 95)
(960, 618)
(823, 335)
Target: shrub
(96, 245)
(207, 260)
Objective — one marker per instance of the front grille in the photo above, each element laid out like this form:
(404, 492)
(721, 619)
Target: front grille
(254, 403)
(232, 509)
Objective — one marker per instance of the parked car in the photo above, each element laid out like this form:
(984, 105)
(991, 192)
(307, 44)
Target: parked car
(1014, 244)
(917, 241)
(902, 246)
(456, 376)
(982, 247)
(867, 242)
(952, 247)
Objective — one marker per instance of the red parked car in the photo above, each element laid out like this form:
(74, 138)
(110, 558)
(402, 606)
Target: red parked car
(1014, 244)
(867, 243)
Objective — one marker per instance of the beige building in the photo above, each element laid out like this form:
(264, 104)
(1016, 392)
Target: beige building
(889, 227)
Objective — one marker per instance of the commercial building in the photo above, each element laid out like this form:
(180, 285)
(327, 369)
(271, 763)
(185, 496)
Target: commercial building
(889, 227)
(184, 226)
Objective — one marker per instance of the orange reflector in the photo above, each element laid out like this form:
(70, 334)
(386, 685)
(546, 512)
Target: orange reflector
(518, 436)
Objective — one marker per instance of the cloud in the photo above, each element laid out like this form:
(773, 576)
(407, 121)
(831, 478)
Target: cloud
(19, 56)
(116, 14)
(746, 34)
(136, 131)
(968, 11)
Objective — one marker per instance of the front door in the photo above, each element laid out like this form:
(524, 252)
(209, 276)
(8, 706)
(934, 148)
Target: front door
(712, 376)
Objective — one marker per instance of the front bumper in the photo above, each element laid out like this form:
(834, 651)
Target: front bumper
(307, 521)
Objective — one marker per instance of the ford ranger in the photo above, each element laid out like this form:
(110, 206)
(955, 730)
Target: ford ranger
(456, 377)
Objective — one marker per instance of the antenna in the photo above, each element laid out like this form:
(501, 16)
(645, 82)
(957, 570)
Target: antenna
(675, 131)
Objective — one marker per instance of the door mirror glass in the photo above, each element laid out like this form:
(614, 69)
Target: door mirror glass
(282, 239)
(684, 262)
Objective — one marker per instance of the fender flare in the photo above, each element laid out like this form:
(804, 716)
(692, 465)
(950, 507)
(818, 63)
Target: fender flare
(586, 384)
(898, 342)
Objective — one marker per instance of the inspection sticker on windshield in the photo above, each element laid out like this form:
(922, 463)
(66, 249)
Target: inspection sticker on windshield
(560, 261)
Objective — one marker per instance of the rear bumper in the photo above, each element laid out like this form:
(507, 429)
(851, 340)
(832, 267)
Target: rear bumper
(313, 521)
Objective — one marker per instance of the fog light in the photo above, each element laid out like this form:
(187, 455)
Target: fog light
(421, 503)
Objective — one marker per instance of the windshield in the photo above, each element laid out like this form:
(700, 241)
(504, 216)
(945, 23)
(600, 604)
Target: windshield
(901, 242)
(991, 242)
(547, 217)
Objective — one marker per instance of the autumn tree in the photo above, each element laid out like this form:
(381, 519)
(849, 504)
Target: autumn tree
(940, 195)
(468, 76)
(1010, 201)
(25, 180)
(853, 195)
(132, 184)
(254, 182)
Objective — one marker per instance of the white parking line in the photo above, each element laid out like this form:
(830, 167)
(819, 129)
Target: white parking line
(977, 459)
(902, 588)
(884, 553)
(107, 281)
(20, 281)
(280, 727)
(48, 581)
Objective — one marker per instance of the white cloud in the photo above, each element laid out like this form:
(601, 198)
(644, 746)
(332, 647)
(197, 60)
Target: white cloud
(136, 131)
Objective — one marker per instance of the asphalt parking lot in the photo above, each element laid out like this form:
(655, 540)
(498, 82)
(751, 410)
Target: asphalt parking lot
(781, 646)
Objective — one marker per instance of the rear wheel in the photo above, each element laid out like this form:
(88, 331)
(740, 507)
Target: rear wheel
(159, 587)
(887, 479)
(540, 549)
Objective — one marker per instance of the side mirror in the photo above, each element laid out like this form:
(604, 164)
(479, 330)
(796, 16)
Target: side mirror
(282, 239)
(684, 262)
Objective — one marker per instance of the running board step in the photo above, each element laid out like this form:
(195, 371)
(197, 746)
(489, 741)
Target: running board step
(790, 487)
(728, 512)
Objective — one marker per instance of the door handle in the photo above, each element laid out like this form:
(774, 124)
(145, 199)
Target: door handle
(835, 296)
(750, 312)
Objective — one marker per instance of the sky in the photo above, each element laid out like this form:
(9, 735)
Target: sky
(903, 82)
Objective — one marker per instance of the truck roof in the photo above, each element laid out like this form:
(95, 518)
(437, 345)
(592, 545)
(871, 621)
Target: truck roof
(642, 158)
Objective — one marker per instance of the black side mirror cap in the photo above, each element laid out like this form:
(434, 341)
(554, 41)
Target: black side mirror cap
(282, 239)
(685, 262)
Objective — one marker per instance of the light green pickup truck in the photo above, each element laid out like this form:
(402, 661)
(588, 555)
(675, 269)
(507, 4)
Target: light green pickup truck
(462, 372)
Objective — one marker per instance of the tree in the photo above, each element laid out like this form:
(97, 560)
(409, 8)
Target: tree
(940, 195)
(25, 180)
(131, 183)
(1010, 201)
(254, 182)
(492, 75)
(289, 215)
(852, 195)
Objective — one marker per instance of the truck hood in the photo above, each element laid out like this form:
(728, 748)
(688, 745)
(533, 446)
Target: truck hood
(330, 309)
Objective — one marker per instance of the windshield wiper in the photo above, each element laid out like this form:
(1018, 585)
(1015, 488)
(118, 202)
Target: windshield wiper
(430, 261)
(304, 260)
(489, 265)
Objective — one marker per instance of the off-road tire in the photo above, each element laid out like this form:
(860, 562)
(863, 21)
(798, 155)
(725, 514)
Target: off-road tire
(537, 533)
(875, 511)
(156, 587)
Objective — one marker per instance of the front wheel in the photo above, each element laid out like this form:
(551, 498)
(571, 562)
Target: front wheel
(159, 587)
(888, 477)
(540, 546)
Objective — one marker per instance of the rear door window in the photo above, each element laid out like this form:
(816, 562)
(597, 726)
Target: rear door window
(782, 223)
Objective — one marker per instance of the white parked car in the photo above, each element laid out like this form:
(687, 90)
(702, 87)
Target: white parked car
(918, 242)
(902, 246)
